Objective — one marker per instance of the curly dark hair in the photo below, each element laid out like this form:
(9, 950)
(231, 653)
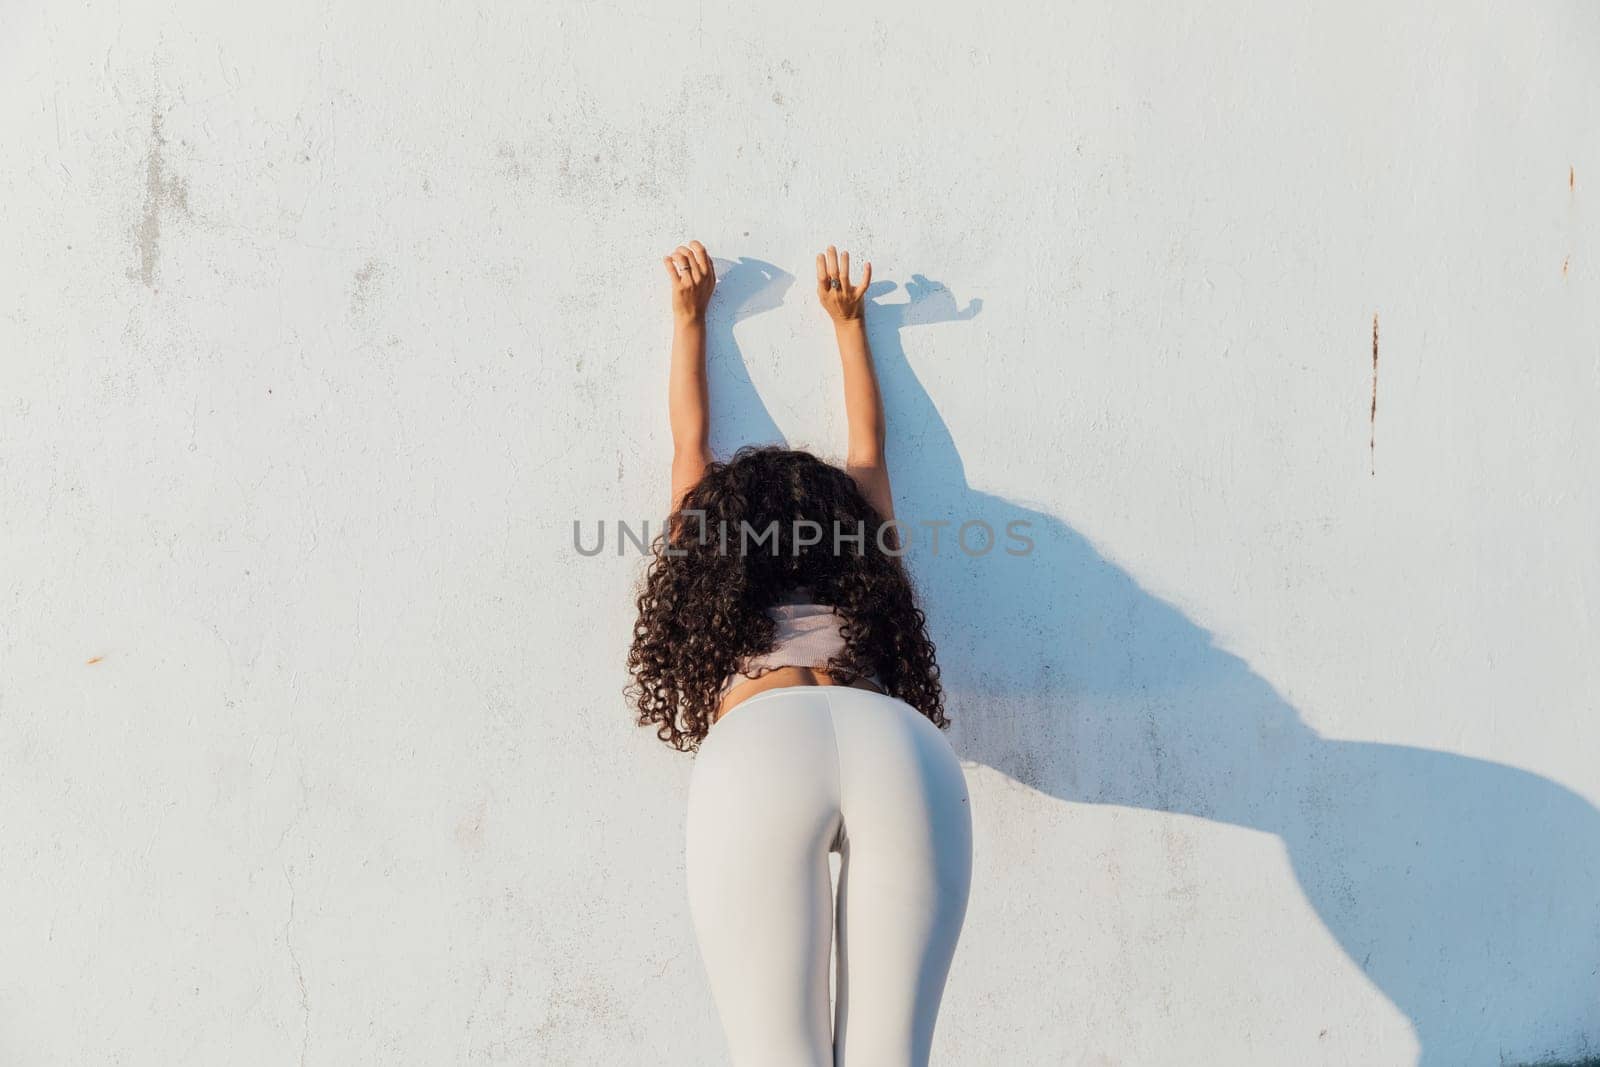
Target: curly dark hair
(702, 604)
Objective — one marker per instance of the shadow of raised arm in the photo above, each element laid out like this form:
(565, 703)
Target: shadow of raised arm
(745, 288)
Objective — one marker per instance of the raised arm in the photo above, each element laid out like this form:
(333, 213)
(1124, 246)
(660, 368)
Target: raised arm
(693, 278)
(846, 305)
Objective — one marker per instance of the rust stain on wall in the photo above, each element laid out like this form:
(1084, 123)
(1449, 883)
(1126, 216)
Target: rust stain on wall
(1372, 414)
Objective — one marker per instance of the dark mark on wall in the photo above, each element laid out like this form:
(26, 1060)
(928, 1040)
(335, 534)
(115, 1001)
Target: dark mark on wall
(1572, 189)
(162, 191)
(366, 281)
(1372, 415)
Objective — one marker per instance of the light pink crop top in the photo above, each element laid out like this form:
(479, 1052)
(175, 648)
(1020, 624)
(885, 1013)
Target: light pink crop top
(808, 636)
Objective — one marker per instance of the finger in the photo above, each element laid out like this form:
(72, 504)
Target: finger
(680, 263)
(833, 263)
(701, 258)
(687, 258)
(844, 269)
(866, 278)
(672, 267)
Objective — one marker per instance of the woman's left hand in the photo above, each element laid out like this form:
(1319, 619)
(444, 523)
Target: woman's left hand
(842, 301)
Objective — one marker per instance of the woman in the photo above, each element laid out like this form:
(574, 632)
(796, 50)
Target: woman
(780, 639)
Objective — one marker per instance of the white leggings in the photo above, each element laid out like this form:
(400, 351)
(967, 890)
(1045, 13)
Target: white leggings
(785, 778)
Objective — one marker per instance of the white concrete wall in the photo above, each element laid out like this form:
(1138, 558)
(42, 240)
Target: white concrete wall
(320, 324)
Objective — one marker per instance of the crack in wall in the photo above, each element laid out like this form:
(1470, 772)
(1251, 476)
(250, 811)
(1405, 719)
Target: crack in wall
(299, 974)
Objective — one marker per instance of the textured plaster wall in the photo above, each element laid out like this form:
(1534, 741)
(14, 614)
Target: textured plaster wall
(320, 324)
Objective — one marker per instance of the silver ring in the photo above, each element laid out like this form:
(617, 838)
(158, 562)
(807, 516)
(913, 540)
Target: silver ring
(833, 283)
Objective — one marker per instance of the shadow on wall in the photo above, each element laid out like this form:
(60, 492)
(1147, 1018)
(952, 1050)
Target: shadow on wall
(1465, 890)
(745, 287)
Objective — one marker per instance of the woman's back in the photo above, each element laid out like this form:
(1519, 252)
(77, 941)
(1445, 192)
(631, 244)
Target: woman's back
(809, 635)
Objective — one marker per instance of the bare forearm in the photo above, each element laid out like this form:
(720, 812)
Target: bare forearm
(846, 304)
(686, 388)
(863, 404)
(693, 276)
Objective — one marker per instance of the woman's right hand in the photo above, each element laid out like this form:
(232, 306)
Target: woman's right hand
(693, 279)
(842, 301)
